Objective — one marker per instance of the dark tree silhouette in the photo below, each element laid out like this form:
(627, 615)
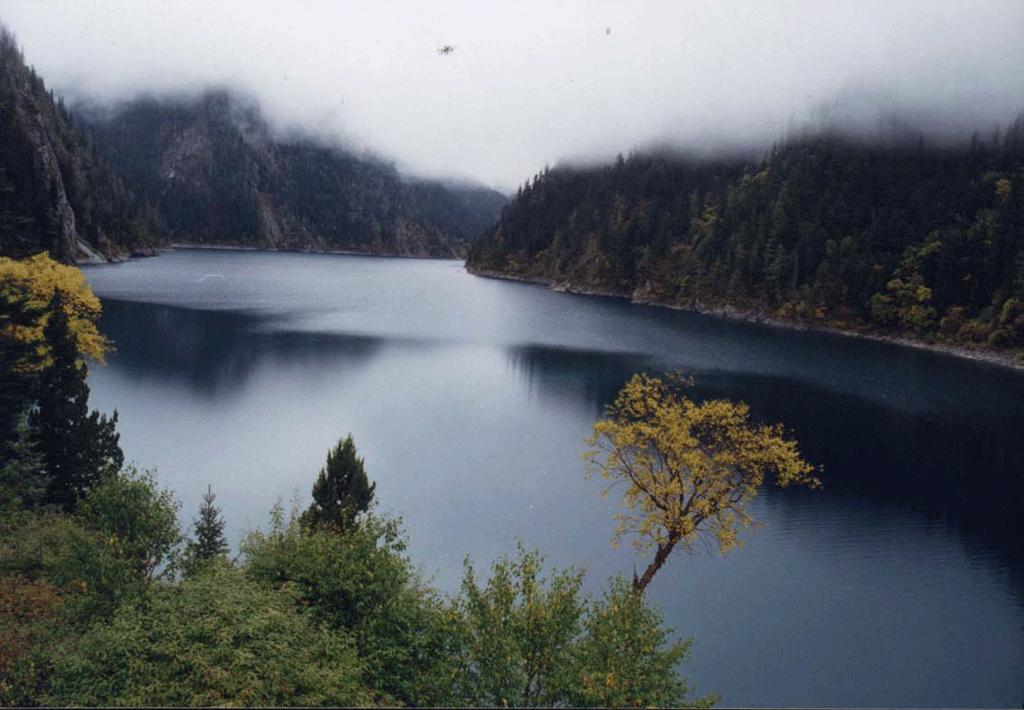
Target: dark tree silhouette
(341, 491)
(79, 448)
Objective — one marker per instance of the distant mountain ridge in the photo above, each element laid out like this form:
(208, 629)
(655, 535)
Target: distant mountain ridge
(95, 185)
(57, 193)
(216, 174)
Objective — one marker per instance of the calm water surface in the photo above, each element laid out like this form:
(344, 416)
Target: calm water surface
(901, 583)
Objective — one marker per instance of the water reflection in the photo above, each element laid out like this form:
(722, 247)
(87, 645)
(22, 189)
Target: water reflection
(216, 352)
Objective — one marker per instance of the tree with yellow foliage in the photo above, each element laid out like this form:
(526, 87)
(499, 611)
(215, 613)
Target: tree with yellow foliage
(31, 283)
(48, 329)
(690, 469)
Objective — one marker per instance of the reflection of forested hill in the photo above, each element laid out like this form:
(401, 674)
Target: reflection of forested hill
(215, 351)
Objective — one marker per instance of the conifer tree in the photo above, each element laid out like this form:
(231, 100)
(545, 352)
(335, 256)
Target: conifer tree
(22, 476)
(79, 448)
(341, 491)
(209, 531)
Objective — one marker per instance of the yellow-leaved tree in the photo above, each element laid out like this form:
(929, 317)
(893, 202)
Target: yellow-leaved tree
(28, 285)
(690, 469)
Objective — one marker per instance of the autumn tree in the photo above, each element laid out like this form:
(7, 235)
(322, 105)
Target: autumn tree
(689, 469)
(342, 490)
(31, 283)
(27, 290)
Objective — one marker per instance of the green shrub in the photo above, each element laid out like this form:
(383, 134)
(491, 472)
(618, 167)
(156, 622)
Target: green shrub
(215, 639)
(360, 581)
(139, 519)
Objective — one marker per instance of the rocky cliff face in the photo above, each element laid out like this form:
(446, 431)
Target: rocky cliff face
(56, 192)
(218, 175)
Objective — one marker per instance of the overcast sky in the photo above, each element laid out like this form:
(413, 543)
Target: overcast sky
(530, 83)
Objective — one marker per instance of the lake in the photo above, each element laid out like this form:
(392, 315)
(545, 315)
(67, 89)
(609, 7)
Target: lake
(900, 583)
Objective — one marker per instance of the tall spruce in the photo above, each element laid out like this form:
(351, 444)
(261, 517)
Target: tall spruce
(341, 491)
(208, 529)
(79, 448)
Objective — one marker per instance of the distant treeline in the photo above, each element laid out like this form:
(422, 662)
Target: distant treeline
(905, 237)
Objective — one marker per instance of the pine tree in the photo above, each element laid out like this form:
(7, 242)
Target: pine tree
(79, 448)
(209, 531)
(22, 476)
(341, 491)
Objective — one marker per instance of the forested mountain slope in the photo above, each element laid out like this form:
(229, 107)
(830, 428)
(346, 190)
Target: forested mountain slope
(899, 238)
(56, 192)
(218, 175)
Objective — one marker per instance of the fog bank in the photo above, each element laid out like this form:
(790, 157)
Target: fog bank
(473, 91)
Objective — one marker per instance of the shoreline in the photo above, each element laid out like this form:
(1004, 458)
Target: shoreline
(334, 252)
(176, 246)
(734, 314)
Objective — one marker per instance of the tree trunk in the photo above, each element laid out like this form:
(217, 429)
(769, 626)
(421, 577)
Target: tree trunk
(660, 556)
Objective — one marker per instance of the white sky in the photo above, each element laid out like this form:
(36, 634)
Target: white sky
(531, 83)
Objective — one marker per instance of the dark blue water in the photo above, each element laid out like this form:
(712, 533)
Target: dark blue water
(901, 583)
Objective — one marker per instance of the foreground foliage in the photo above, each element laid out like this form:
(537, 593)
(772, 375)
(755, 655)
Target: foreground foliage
(96, 614)
(214, 639)
(360, 582)
(533, 641)
(104, 601)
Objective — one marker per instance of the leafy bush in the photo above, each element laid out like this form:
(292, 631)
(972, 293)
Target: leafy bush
(360, 581)
(518, 632)
(139, 519)
(530, 640)
(85, 566)
(626, 657)
(215, 639)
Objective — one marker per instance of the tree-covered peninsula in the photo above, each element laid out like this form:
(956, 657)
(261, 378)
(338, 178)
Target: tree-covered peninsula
(895, 237)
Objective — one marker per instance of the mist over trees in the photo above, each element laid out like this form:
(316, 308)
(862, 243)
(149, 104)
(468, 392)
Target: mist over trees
(94, 185)
(217, 174)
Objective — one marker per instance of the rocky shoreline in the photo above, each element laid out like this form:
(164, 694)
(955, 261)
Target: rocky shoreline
(991, 357)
